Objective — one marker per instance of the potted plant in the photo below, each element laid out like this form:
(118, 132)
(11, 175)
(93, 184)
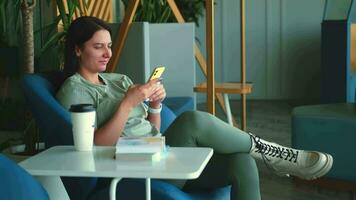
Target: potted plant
(51, 55)
(12, 107)
(154, 11)
(10, 23)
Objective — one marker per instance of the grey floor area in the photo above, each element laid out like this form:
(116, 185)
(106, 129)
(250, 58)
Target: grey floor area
(271, 120)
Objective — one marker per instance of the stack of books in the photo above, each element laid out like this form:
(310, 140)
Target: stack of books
(140, 148)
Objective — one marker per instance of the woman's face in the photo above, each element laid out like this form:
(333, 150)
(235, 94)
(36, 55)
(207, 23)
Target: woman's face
(96, 52)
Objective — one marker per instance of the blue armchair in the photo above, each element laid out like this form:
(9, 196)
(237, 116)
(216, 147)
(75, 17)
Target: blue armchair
(17, 184)
(55, 129)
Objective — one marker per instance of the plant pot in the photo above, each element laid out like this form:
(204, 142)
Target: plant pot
(168, 44)
(17, 152)
(20, 149)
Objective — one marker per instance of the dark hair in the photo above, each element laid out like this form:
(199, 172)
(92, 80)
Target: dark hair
(80, 31)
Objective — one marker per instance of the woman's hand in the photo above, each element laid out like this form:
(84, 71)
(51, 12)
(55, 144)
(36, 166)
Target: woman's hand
(158, 96)
(136, 94)
(155, 102)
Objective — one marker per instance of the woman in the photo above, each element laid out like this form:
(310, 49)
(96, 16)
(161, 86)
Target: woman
(121, 112)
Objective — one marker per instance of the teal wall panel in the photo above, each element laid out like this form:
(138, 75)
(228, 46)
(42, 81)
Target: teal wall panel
(301, 33)
(283, 47)
(273, 84)
(256, 47)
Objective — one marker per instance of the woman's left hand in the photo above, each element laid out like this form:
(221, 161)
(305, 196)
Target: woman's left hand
(158, 96)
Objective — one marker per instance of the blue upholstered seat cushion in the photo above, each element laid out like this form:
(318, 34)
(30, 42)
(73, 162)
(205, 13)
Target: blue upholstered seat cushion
(329, 128)
(17, 184)
(331, 111)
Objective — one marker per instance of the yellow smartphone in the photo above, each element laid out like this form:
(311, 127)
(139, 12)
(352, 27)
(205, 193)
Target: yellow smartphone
(157, 72)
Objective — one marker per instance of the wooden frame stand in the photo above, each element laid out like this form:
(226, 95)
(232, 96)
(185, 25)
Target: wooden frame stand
(210, 88)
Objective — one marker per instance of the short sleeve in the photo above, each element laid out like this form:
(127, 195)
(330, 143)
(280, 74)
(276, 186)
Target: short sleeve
(71, 93)
(127, 81)
(121, 80)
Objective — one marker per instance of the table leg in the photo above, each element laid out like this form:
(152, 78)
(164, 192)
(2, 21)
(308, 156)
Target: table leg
(54, 187)
(113, 185)
(148, 189)
(228, 109)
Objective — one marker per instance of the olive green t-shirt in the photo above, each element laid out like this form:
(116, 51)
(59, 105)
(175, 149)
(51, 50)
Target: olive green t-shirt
(106, 98)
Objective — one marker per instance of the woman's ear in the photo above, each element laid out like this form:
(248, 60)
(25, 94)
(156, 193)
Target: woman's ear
(77, 51)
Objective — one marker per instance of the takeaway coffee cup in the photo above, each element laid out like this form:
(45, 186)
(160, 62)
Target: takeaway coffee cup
(83, 121)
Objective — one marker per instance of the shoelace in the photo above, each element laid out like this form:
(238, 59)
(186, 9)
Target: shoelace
(273, 151)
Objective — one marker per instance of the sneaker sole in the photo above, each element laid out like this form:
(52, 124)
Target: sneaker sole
(325, 169)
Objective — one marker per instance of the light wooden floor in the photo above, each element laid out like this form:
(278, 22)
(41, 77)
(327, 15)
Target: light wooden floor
(271, 120)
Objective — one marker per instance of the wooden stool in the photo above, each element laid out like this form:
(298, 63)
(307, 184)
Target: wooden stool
(225, 89)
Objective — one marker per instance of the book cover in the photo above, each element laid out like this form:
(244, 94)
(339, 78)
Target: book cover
(148, 145)
(139, 156)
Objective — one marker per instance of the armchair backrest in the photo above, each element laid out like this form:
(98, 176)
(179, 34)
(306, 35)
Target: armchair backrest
(54, 122)
(52, 119)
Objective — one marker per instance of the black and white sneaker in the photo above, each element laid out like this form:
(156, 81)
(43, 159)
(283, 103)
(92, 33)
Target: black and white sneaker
(287, 161)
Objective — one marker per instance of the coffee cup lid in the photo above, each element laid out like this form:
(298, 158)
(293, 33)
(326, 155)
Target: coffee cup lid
(82, 108)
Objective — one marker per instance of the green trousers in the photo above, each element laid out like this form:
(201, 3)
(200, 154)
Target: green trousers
(231, 163)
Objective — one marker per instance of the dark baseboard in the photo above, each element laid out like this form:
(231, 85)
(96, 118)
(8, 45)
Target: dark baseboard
(328, 183)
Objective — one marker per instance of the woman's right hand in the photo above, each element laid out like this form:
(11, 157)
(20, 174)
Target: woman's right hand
(136, 94)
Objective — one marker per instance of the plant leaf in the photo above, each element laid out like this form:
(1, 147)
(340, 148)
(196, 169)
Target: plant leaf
(62, 12)
(51, 41)
(165, 15)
